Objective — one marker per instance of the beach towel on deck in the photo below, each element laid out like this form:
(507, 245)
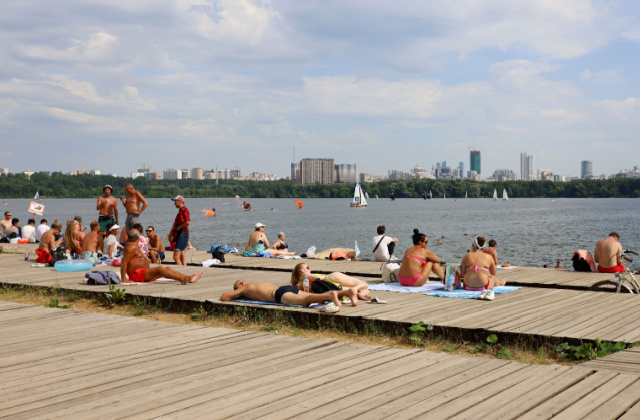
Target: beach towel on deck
(397, 287)
(257, 302)
(260, 253)
(469, 294)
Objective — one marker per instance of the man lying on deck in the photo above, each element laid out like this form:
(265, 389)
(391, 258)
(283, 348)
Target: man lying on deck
(136, 266)
(288, 295)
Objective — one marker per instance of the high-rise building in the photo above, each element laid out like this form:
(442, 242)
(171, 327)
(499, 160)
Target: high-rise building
(314, 171)
(586, 169)
(461, 167)
(527, 167)
(474, 161)
(172, 174)
(197, 173)
(346, 172)
(295, 171)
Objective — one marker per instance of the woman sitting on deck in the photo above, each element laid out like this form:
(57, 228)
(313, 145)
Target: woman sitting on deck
(418, 262)
(258, 242)
(478, 269)
(73, 246)
(302, 270)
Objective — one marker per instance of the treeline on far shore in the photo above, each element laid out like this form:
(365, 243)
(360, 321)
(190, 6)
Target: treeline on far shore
(59, 185)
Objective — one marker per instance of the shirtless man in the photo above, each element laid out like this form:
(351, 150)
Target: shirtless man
(6, 223)
(289, 295)
(132, 205)
(107, 208)
(48, 243)
(491, 250)
(156, 247)
(92, 244)
(608, 254)
(135, 266)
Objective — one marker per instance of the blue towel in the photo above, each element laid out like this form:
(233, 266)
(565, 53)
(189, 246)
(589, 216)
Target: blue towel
(469, 294)
(258, 302)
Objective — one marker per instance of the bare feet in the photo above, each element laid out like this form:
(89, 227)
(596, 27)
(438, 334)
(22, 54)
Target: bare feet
(353, 295)
(362, 296)
(335, 299)
(192, 279)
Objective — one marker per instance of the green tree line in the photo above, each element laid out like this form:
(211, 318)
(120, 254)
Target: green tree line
(59, 185)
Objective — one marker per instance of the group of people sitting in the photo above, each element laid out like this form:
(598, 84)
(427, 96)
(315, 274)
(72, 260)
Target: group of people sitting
(477, 269)
(608, 255)
(258, 242)
(98, 243)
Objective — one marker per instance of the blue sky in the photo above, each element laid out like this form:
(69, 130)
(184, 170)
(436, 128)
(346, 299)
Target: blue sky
(386, 85)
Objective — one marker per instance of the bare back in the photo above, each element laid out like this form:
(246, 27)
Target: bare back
(92, 242)
(410, 265)
(492, 251)
(48, 241)
(476, 267)
(607, 252)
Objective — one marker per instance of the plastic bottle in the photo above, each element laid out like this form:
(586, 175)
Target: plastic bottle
(26, 256)
(305, 284)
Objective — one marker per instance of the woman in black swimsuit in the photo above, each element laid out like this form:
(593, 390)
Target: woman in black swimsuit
(280, 244)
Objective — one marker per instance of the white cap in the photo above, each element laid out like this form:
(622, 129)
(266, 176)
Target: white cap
(114, 227)
(259, 225)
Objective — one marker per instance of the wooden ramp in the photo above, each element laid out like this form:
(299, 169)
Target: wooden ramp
(58, 363)
(526, 314)
(626, 361)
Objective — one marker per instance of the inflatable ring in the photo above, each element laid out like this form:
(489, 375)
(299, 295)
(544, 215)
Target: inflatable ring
(73, 265)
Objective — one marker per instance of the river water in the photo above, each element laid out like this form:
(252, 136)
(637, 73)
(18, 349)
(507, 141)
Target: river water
(529, 232)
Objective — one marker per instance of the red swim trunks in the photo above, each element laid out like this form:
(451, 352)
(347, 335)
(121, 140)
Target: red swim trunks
(137, 275)
(617, 269)
(43, 256)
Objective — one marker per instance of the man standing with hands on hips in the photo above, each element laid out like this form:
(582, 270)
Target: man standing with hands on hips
(132, 204)
(180, 231)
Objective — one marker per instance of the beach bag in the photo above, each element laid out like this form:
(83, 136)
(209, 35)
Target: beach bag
(57, 255)
(322, 286)
(390, 272)
(218, 254)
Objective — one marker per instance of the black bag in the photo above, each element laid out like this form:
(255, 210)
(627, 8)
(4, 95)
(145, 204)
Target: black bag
(218, 254)
(57, 255)
(322, 286)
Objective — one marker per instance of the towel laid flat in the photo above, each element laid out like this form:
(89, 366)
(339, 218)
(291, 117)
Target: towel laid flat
(469, 294)
(258, 302)
(397, 287)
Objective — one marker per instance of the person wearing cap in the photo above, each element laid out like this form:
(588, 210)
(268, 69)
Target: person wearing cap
(258, 242)
(132, 205)
(107, 209)
(180, 231)
(111, 244)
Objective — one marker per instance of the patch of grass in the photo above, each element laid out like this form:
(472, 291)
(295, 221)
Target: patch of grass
(140, 305)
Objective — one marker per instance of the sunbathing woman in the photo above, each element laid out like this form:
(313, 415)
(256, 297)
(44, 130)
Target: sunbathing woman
(258, 242)
(478, 269)
(418, 262)
(73, 246)
(302, 270)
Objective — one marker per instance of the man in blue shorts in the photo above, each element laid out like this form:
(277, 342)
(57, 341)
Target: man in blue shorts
(180, 231)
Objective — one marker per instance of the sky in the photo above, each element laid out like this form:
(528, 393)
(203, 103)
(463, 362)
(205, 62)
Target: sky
(113, 85)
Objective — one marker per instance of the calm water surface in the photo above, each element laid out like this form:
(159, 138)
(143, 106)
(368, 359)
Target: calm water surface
(529, 232)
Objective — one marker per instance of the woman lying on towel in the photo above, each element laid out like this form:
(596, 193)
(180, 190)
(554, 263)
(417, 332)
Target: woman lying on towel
(418, 262)
(339, 279)
(478, 269)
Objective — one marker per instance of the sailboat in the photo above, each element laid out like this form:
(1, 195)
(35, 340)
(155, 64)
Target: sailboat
(505, 197)
(424, 195)
(366, 195)
(495, 195)
(359, 199)
(430, 195)
(392, 195)
(37, 196)
(445, 195)
(465, 196)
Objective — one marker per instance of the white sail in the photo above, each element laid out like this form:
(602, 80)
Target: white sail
(430, 194)
(445, 195)
(504, 195)
(465, 195)
(495, 195)
(358, 197)
(366, 195)
(37, 196)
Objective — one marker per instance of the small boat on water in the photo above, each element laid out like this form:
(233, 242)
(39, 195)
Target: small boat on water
(392, 195)
(505, 197)
(444, 195)
(430, 195)
(424, 195)
(299, 205)
(359, 199)
(465, 196)
(366, 195)
(376, 196)
(495, 195)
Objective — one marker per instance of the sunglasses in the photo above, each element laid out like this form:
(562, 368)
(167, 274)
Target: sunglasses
(148, 230)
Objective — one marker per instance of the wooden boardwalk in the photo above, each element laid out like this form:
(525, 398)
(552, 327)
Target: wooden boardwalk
(58, 363)
(525, 314)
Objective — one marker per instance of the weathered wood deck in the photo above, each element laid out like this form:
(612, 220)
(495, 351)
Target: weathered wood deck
(58, 363)
(525, 314)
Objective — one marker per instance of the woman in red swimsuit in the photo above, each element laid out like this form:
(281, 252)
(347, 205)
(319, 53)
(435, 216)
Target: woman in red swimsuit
(418, 262)
(478, 269)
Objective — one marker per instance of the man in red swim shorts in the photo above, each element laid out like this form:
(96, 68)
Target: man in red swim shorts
(136, 268)
(608, 254)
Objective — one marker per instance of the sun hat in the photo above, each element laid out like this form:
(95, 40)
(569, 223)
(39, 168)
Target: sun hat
(280, 234)
(107, 186)
(114, 227)
(259, 225)
(178, 198)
